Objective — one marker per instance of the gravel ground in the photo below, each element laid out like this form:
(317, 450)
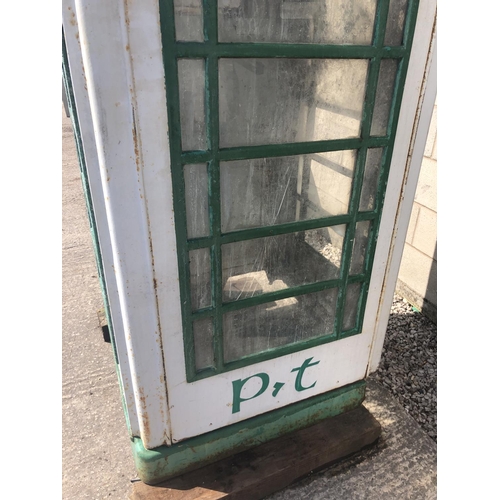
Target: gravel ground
(408, 367)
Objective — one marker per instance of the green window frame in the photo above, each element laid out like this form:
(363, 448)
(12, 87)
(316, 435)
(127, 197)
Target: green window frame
(211, 51)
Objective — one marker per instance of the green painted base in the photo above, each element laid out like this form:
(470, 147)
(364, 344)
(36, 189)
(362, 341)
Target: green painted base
(165, 462)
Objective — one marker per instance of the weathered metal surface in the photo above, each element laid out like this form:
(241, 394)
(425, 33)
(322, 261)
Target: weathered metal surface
(154, 466)
(111, 90)
(89, 164)
(125, 73)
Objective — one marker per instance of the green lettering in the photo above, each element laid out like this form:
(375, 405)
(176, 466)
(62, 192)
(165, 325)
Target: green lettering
(300, 373)
(238, 386)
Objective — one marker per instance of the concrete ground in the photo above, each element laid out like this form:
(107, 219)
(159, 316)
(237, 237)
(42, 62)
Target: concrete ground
(96, 457)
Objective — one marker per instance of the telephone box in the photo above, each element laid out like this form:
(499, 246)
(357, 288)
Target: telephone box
(250, 167)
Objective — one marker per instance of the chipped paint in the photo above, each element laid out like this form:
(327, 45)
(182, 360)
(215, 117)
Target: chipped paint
(137, 140)
(145, 428)
(164, 462)
(133, 134)
(110, 72)
(77, 44)
(136, 143)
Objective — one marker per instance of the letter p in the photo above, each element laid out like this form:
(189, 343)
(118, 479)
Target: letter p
(238, 386)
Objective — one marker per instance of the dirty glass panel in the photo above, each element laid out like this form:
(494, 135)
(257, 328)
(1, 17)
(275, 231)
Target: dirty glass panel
(263, 265)
(360, 246)
(395, 22)
(203, 343)
(192, 103)
(268, 191)
(370, 179)
(283, 100)
(275, 324)
(196, 182)
(188, 20)
(326, 183)
(383, 98)
(351, 306)
(199, 270)
(290, 21)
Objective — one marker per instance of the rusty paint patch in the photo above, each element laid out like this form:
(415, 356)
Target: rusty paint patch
(84, 78)
(151, 247)
(136, 144)
(145, 417)
(163, 396)
(127, 20)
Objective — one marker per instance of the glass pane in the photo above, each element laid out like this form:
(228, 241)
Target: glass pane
(289, 21)
(203, 343)
(199, 269)
(395, 22)
(275, 324)
(383, 98)
(351, 306)
(263, 265)
(326, 184)
(359, 248)
(269, 191)
(188, 20)
(196, 182)
(192, 103)
(370, 179)
(281, 100)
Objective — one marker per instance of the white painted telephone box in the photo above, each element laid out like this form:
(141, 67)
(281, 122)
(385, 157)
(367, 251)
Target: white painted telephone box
(251, 168)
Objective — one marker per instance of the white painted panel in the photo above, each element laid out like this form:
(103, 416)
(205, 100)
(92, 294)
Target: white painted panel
(110, 84)
(121, 49)
(145, 50)
(348, 359)
(416, 113)
(78, 78)
(206, 405)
